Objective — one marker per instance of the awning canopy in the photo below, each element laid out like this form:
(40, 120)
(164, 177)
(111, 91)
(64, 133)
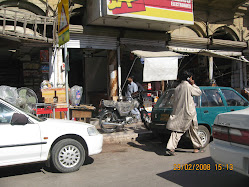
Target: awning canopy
(150, 54)
(214, 53)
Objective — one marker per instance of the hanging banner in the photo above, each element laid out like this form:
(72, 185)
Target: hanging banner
(160, 10)
(63, 22)
(159, 69)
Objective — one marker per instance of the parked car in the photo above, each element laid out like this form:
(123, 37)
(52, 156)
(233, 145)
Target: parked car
(230, 147)
(25, 138)
(213, 101)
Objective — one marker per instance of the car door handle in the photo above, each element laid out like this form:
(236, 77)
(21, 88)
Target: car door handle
(232, 110)
(205, 111)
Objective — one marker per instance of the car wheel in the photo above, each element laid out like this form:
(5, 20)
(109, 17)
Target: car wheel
(68, 155)
(204, 135)
(145, 119)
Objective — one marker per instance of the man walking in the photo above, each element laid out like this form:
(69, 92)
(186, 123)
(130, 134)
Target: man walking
(184, 115)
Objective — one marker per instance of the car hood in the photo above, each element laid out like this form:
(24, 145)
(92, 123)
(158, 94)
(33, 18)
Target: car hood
(63, 123)
(235, 119)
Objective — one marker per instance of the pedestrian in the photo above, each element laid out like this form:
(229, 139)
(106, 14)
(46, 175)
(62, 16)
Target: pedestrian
(132, 88)
(184, 117)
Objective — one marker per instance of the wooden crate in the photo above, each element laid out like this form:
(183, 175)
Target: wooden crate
(81, 115)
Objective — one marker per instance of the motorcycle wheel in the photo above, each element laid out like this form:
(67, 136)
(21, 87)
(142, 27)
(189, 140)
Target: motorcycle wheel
(145, 119)
(108, 116)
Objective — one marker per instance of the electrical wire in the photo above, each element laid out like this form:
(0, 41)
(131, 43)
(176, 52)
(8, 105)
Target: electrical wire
(129, 72)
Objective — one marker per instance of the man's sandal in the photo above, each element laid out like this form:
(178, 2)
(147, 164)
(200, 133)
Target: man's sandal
(199, 151)
(170, 152)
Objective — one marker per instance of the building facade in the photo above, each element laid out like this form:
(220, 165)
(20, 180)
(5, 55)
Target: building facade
(212, 35)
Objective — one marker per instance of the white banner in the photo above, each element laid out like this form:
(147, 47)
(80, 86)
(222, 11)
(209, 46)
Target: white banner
(158, 69)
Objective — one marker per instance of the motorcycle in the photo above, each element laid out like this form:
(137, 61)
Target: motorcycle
(116, 114)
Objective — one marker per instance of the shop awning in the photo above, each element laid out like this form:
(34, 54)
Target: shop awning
(151, 54)
(218, 55)
(214, 53)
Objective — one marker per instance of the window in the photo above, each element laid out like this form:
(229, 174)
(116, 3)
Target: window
(5, 114)
(233, 99)
(167, 100)
(211, 98)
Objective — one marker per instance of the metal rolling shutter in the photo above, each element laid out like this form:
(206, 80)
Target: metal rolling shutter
(146, 45)
(92, 41)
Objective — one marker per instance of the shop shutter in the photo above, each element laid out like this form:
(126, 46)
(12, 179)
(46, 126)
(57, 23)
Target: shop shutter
(197, 42)
(145, 45)
(92, 41)
(201, 43)
(229, 43)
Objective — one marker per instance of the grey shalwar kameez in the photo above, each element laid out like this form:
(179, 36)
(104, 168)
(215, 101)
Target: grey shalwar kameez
(184, 115)
(132, 88)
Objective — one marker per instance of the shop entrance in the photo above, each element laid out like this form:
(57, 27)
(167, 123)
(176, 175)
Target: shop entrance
(88, 68)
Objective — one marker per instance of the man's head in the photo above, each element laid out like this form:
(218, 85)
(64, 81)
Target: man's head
(130, 78)
(186, 75)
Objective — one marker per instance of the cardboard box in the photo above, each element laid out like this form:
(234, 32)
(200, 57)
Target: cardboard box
(49, 94)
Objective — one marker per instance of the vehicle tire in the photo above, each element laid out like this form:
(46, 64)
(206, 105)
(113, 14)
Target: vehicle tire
(204, 134)
(146, 119)
(67, 155)
(108, 116)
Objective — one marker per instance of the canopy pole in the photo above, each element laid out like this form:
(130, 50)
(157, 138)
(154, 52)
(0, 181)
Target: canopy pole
(241, 75)
(129, 72)
(66, 60)
(211, 67)
(119, 73)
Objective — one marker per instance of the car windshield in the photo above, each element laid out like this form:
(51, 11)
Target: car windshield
(167, 100)
(29, 114)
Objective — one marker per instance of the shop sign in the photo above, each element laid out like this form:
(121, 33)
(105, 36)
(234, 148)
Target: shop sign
(44, 56)
(180, 11)
(63, 22)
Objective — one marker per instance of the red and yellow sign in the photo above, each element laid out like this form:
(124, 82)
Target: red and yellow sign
(161, 10)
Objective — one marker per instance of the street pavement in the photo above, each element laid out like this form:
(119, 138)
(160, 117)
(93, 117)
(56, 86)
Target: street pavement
(135, 163)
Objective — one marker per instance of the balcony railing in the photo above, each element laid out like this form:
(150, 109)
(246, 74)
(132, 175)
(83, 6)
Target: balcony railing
(27, 26)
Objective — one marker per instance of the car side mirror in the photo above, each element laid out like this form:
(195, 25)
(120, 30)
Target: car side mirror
(19, 119)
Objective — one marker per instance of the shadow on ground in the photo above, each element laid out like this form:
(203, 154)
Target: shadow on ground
(157, 145)
(208, 177)
(32, 168)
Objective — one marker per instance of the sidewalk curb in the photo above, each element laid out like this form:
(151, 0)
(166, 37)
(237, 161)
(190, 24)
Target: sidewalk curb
(126, 136)
(130, 134)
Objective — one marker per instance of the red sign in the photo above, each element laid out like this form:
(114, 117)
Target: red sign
(128, 6)
(184, 5)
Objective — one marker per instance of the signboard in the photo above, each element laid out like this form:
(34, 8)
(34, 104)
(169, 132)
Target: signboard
(160, 10)
(63, 22)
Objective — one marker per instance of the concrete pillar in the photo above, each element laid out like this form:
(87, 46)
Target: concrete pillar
(113, 72)
(56, 75)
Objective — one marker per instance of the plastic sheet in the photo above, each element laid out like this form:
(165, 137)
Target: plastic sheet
(9, 94)
(75, 95)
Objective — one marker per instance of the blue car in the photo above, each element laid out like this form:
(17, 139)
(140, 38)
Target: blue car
(213, 101)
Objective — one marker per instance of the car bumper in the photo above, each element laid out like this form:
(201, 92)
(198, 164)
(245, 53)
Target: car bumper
(160, 127)
(225, 153)
(94, 144)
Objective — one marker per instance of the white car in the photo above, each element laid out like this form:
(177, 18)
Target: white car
(230, 148)
(25, 138)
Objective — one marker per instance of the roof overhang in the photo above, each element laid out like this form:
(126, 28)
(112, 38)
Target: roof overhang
(151, 54)
(212, 53)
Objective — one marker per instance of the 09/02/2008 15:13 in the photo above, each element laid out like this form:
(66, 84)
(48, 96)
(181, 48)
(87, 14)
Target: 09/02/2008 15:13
(202, 167)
